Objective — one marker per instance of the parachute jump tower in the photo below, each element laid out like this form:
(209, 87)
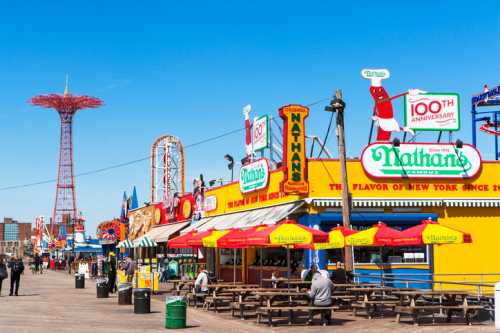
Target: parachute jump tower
(67, 105)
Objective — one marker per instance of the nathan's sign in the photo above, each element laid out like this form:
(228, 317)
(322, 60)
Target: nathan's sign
(432, 112)
(254, 176)
(294, 149)
(420, 160)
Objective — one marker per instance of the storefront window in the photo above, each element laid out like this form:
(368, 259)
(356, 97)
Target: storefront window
(276, 257)
(227, 256)
(385, 255)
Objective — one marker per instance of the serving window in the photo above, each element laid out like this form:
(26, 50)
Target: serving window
(391, 255)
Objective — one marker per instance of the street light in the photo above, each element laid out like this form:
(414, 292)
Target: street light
(230, 164)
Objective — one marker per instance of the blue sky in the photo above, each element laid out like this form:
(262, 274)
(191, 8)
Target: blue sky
(187, 68)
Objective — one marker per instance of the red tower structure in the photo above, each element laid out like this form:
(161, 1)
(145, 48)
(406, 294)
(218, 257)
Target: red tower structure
(66, 105)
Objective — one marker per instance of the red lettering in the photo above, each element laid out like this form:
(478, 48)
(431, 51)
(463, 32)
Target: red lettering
(435, 109)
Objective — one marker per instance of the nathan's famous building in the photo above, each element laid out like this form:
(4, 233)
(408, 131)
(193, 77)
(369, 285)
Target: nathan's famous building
(397, 183)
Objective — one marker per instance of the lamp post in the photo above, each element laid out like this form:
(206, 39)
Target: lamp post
(230, 165)
(337, 105)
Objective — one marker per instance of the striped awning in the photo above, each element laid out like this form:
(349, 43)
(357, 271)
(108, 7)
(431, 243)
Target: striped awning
(246, 219)
(472, 202)
(409, 202)
(164, 232)
(126, 244)
(144, 241)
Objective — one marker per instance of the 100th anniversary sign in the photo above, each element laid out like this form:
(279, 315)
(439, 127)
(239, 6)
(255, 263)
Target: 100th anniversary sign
(420, 160)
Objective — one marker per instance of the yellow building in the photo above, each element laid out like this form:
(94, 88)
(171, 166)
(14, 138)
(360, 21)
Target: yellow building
(468, 204)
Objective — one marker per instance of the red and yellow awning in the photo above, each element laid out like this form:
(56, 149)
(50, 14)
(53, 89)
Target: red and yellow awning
(286, 233)
(212, 239)
(378, 235)
(336, 239)
(431, 232)
(237, 239)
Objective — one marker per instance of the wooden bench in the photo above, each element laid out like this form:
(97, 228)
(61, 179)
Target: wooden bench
(326, 312)
(196, 298)
(343, 301)
(416, 311)
(242, 307)
(214, 301)
(371, 307)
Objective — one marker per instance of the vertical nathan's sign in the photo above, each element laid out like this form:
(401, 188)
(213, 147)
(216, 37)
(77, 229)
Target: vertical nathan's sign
(432, 112)
(294, 149)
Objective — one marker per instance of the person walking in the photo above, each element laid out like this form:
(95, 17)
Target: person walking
(38, 263)
(16, 269)
(71, 260)
(3, 273)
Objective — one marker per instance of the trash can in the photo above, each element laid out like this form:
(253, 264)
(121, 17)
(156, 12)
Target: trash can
(79, 281)
(175, 312)
(102, 289)
(142, 300)
(125, 294)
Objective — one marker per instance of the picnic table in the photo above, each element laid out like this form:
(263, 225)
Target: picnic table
(417, 302)
(179, 284)
(242, 304)
(221, 292)
(372, 299)
(295, 283)
(292, 304)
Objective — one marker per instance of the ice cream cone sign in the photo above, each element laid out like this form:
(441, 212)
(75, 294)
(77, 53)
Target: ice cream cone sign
(383, 112)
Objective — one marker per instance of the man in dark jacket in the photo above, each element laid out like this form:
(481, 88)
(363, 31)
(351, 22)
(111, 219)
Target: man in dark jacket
(16, 269)
(112, 273)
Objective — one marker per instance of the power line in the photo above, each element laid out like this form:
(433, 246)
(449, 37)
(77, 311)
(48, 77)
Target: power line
(121, 165)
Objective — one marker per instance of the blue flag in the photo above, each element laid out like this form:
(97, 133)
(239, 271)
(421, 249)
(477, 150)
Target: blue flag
(134, 202)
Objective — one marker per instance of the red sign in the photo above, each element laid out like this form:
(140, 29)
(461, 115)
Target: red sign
(294, 149)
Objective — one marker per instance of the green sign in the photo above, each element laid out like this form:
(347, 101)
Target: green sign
(254, 176)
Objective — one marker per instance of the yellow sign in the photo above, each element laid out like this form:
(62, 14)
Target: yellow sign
(325, 182)
(187, 208)
(294, 149)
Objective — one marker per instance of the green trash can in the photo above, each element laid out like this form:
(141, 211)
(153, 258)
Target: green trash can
(175, 312)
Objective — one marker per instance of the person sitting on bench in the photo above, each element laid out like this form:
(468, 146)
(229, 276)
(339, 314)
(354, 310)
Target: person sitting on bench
(320, 294)
(201, 283)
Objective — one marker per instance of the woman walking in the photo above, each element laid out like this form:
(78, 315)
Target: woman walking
(3, 273)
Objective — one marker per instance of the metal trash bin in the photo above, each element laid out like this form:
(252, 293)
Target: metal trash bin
(102, 289)
(125, 294)
(79, 281)
(142, 300)
(175, 312)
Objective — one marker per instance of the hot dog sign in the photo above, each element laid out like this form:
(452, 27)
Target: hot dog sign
(422, 110)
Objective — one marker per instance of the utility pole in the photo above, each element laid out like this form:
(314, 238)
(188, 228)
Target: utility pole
(338, 105)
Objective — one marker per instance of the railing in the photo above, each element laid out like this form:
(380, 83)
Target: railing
(485, 280)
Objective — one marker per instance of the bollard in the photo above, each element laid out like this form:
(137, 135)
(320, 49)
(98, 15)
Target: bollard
(497, 305)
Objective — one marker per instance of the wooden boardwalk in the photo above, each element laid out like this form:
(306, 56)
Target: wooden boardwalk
(50, 303)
